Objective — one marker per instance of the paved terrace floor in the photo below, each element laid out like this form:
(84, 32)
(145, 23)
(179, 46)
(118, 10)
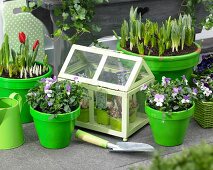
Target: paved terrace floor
(83, 156)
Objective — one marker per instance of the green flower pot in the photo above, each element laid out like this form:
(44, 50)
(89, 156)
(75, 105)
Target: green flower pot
(84, 116)
(102, 117)
(11, 131)
(21, 86)
(169, 130)
(116, 123)
(54, 133)
(169, 66)
(133, 114)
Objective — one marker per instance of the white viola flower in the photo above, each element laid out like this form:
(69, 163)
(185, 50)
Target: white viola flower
(159, 99)
(165, 81)
(174, 95)
(207, 92)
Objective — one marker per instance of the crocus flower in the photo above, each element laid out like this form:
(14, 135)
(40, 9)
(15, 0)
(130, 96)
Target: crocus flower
(159, 99)
(35, 45)
(165, 81)
(22, 37)
(185, 99)
(144, 87)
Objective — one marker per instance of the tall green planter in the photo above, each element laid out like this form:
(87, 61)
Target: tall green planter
(11, 131)
(116, 123)
(54, 133)
(21, 86)
(169, 129)
(84, 115)
(169, 66)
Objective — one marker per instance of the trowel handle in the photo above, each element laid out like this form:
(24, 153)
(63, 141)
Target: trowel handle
(91, 139)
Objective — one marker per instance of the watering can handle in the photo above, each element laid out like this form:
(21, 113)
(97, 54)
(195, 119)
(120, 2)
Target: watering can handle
(17, 97)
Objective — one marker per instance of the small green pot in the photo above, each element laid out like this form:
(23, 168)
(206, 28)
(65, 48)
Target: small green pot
(54, 133)
(11, 131)
(102, 117)
(21, 86)
(169, 130)
(116, 123)
(133, 114)
(169, 66)
(84, 116)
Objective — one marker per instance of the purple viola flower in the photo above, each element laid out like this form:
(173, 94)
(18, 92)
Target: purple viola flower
(68, 89)
(144, 87)
(165, 81)
(46, 97)
(159, 99)
(47, 87)
(76, 79)
(54, 79)
(43, 80)
(180, 89)
(194, 91)
(175, 90)
(50, 103)
(185, 99)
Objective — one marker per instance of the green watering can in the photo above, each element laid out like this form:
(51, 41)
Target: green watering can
(11, 131)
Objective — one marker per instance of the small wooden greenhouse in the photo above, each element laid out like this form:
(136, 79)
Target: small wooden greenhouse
(113, 102)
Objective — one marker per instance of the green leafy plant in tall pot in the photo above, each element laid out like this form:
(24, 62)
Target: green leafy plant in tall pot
(168, 49)
(20, 72)
(169, 106)
(55, 106)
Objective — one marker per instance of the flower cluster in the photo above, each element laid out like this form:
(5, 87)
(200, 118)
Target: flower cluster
(170, 95)
(55, 97)
(205, 88)
(206, 66)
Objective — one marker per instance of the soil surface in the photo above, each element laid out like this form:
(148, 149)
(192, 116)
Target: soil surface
(6, 75)
(154, 51)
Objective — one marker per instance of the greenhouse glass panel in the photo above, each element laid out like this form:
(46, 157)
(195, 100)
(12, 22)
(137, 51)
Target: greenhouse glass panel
(83, 64)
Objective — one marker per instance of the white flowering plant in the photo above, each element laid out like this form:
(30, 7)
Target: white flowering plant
(204, 88)
(55, 97)
(170, 95)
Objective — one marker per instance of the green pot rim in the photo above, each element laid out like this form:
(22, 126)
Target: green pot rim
(174, 116)
(162, 58)
(60, 117)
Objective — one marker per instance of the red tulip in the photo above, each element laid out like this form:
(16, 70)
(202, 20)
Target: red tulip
(22, 37)
(35, 45)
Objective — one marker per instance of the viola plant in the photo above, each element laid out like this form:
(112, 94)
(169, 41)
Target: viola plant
(55, 97)
(206, 66)
(170, 95)
(172, 38)
(204, 88)
(23, 63)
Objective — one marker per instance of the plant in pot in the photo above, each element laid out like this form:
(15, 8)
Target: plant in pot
(84, 116)
(101, 110)
(19, 71)
(169, 49)
(54, 106)
(133, 109)
(115, 110)
(169, 107)
(204, 102)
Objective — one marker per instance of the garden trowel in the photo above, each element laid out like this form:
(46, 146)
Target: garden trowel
(119, 147)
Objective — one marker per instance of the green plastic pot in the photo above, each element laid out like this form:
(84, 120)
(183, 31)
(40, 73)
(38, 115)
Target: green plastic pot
(21, 86)
(54, 133)
(169, 130)
(102, 117)
(84, 115)
(116, 123)
(169, 66)
(11, 131)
